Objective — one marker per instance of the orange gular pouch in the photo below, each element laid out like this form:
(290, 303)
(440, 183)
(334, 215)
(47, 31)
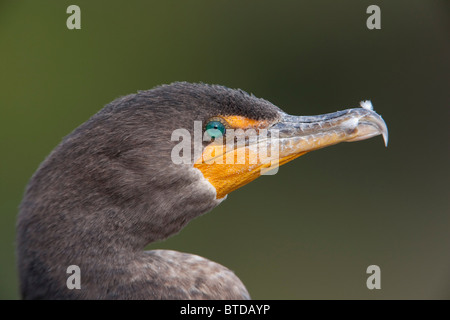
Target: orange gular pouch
(229, 162)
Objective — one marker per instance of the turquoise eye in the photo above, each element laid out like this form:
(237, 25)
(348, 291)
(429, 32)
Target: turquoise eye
(215, 129)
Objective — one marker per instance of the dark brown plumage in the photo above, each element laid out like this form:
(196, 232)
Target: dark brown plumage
(110, 188)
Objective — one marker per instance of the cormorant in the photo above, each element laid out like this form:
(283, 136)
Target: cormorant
(111, 187)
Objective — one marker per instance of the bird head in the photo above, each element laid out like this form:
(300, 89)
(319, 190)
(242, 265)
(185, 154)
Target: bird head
(121, 169)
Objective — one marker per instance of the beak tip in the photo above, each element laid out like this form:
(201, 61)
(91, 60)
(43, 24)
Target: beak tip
(367, 104)
(385, 138)
(384, 132)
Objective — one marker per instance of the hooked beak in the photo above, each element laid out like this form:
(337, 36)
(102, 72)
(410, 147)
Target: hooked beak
(287, 139)
(301, 134)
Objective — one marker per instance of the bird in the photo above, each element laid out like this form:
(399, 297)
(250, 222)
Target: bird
(116, 184)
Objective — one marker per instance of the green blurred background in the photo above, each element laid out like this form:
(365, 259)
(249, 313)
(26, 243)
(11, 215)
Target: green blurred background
(311, 230)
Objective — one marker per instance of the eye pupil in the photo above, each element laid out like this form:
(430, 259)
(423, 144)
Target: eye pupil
(215, 129)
